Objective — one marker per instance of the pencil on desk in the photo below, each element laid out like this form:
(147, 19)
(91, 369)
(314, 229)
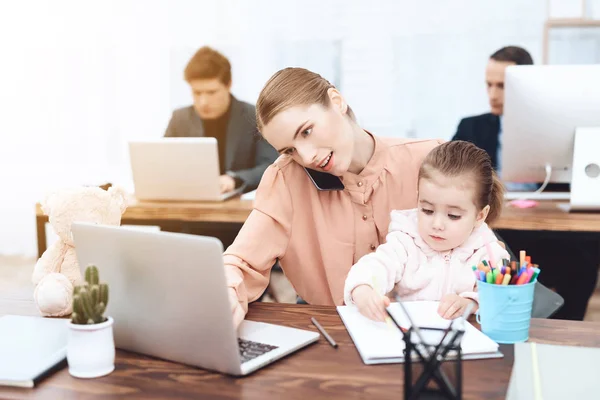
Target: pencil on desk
(324, 333)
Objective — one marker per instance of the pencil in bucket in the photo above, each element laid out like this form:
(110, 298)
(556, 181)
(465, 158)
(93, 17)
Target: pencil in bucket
(506, 297)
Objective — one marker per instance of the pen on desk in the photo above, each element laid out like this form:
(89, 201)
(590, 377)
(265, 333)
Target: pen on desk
(324, 333)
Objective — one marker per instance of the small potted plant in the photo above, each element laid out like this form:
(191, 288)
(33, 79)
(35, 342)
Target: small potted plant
(91, 347)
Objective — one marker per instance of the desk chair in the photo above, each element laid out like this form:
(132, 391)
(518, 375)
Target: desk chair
(545, 302)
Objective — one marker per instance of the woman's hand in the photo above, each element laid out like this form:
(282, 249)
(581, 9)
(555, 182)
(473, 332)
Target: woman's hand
(236, 308)
(453, 306)
(370, 303)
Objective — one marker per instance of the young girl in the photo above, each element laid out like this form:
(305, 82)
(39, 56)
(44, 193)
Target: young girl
(429, 251)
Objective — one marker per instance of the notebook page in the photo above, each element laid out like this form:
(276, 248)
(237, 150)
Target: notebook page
(372, 339)
(379, 340)
(424, 314)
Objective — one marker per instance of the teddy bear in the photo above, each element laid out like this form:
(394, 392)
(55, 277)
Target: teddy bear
(57, 271)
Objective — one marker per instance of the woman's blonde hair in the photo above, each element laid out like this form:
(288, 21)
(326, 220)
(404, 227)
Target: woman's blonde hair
(459, 157)
(292, 87)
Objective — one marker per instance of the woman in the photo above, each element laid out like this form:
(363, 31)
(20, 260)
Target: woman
(318, 235)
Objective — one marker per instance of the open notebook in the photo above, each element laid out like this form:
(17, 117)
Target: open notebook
(31, 348)
(380, 343)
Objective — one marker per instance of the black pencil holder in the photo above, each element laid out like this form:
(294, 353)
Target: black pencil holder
(433, 370)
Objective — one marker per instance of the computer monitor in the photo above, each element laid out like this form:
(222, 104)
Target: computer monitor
(551, 128)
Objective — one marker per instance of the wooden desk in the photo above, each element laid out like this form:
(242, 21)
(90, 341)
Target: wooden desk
(316, 372)
(174, 216)
(547, 217)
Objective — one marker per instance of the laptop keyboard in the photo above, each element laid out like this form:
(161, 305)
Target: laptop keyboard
(250, 350)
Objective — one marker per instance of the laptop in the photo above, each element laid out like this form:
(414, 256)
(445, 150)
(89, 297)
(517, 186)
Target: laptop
(169, 299)
(177, 169)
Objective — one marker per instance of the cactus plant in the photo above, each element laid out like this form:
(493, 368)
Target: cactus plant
(90, 299)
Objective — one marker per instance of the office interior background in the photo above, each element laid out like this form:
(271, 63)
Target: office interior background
(78, 79)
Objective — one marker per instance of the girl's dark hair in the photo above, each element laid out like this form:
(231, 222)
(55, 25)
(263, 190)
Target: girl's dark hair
(459, 157)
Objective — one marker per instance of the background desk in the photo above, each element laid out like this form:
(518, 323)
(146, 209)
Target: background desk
(177, 216)
(170, 216)
(547, 217)
(316, 372)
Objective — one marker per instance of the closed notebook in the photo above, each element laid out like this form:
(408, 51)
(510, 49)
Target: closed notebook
(30, 348)
(545, 371)
(380, 343)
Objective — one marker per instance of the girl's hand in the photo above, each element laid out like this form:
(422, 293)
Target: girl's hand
(453, 306)
(370, 303)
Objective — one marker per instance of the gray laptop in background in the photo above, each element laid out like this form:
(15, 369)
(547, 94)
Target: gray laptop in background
(169, 299)
(177, 169)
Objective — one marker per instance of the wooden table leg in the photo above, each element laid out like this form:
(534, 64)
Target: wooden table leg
(41, 234)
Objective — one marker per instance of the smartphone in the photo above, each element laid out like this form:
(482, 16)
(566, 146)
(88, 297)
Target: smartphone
(324, 181)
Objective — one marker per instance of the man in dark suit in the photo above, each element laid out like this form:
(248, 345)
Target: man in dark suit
(556, 254)
(243, 153)
(485, 130)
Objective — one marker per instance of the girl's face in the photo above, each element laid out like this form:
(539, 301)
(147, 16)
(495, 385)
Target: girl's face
(315, 137)
(447, 211)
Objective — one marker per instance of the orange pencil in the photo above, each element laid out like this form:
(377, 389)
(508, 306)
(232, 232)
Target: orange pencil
(499, 279)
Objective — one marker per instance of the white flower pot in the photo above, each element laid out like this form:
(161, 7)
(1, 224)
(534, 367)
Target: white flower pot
(91, 349)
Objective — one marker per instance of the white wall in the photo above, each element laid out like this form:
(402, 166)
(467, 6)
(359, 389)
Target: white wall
(80, 78)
